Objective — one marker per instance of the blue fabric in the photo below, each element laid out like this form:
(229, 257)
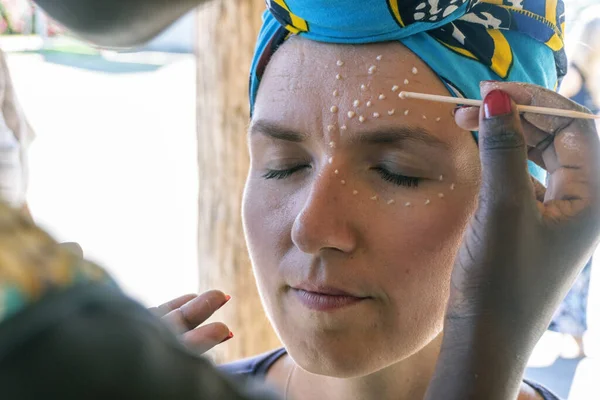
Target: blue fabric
(463, 41)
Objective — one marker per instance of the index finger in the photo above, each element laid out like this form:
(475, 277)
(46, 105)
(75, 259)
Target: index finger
(171, 305)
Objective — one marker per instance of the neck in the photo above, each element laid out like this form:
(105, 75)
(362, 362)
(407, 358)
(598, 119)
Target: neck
(406, 379)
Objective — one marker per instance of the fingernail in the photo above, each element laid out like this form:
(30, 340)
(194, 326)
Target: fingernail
(458, 108)
(227, 298)
(228, 337)
(496, 103)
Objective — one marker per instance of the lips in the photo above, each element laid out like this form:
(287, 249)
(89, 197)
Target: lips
(325, 298)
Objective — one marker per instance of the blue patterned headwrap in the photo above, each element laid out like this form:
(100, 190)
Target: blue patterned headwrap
(462, 41)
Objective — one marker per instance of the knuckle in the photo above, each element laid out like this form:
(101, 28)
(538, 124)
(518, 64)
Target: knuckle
(503, 138)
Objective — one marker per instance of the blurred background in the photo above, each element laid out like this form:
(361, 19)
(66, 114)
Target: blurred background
(117, 161)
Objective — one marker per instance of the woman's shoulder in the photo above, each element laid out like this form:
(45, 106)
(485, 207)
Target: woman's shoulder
(253, 366)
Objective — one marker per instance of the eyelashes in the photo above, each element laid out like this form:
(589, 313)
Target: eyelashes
(385, 174)
(283, 173)
(397, 179)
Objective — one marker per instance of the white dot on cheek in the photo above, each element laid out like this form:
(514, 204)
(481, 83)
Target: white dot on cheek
(338, 77)
(407, 204)
(356, 103)
(392, 111)
(369, 103)
(336, 172)
(452, 186)
(339, 63)
(415, 70)
(330, 128)
(437, 119)
(379, 57)
(392, 201)
(330, 161)
(333, 109)
(361, 119)
(363, 87)
(441, 178)
(405, 112)
(343, 127)
(335, 93)
(406, 81)
(355, 192)
(351, 114)
(332, 144)
(375, 115)
(374, 198)
(427, 201)
(441, 195)
(394, 88)
(382, 97)
(343, 182)
(372, 69)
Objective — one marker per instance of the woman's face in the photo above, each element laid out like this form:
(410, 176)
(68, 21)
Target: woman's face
(355, 203)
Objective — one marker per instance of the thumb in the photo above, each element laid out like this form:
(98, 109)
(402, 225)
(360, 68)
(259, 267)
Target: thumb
(503, 151)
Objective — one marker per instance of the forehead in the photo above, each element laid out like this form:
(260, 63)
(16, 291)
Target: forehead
(305, 80)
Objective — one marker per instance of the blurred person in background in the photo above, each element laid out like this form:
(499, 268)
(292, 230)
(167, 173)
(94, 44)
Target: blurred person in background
(16, 135)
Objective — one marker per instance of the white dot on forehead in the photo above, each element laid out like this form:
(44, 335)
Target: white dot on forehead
(406, 81)
(343, 127)
(332, 144)
(343, 182)
(330, 127)
(369, 103)
(405, 112)
(382, 96)
(356, 103)
(424, 117)
(339, 63)
(335, 93)
(452, 186)
(441, 195)
(351, 114)
(333, 109)
(395, 88)
(336, 172)
(372, 69)
(361, 118)
(441, 178)
(392, 201)
(355, 192)
(375, 115)
(338, 77)
(363, 87)
(407, 204)
(379, 57)
(437, 119)
(330, 161)
(374, 198)
(427, 201)
(391, 112)
(415, 70)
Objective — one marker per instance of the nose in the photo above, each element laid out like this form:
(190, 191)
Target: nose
(326, 218)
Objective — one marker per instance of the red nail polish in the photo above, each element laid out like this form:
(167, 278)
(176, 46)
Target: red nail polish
(496, 103)
(228, 337)
(227, 298)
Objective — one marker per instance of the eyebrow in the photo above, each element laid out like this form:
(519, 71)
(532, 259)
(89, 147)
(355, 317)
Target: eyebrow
(390, 135)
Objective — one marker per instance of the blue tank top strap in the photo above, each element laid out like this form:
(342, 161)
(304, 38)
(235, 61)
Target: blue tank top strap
(254, 367)
(545, 393)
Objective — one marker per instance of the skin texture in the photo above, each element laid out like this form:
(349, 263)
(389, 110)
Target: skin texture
(309, 227)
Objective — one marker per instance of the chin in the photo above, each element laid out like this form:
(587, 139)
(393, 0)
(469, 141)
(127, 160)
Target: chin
(343, 355)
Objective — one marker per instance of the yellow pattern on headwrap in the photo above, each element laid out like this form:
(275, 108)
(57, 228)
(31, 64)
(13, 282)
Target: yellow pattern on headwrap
(297, 24)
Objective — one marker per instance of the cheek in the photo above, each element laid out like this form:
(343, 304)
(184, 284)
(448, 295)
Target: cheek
(266, 225)
(419, 249)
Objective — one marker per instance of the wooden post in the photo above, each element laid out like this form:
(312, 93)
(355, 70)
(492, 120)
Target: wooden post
(227, 31)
